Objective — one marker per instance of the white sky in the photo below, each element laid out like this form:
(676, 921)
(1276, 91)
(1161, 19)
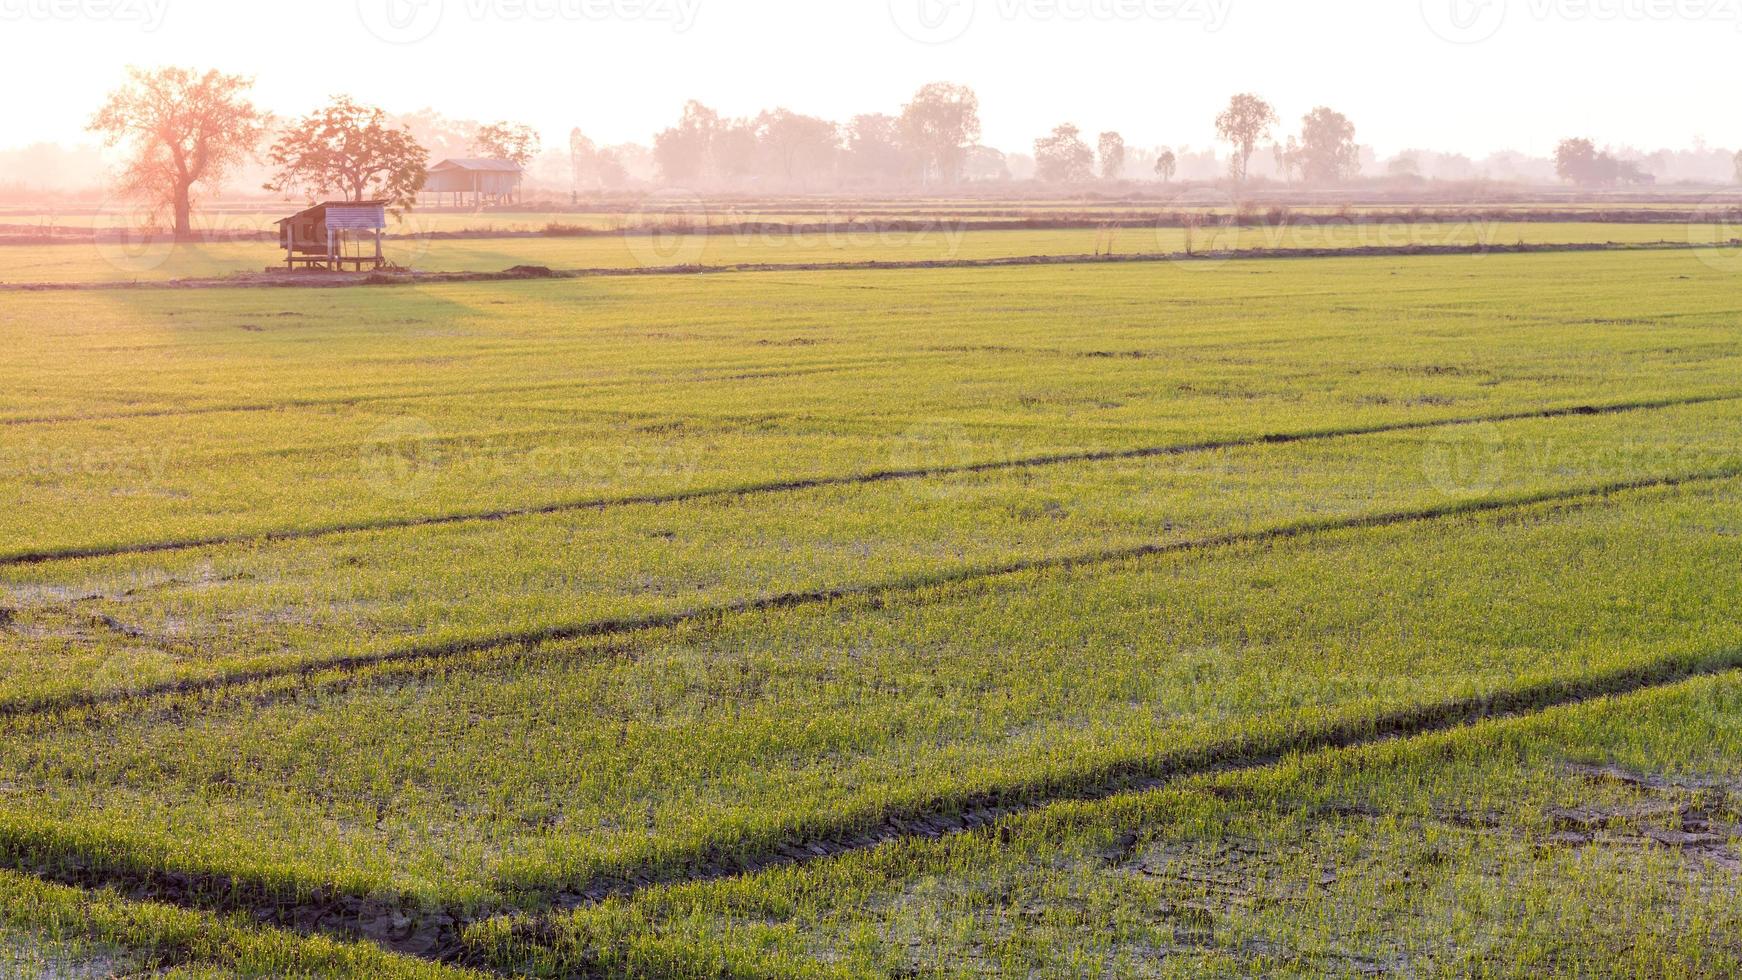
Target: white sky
(1645, 72)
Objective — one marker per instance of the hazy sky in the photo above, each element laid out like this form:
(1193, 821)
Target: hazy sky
(1471, 75)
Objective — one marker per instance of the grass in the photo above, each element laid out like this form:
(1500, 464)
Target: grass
(459, 604)
(1554, 845)
(52, 931)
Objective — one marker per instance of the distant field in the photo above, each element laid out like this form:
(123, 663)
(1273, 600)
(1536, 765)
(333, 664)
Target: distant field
(1037, 620)
(164, 260)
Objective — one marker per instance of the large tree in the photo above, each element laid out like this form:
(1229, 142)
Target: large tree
(183, 130)
(1112, 147)
(1328, 153)
(938, 126)
(349, 149)
(1063, 157)
(515, 142)
(1245, 122)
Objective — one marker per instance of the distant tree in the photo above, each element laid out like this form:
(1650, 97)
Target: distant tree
(1739, 166)
(182, 129)
(938, 126)
(1166, 165)
(515, 142)
(350, 149)
(682, 152)
(986, 163)
(1575, 160)
(1404, 165)
(1288, 158)
(802, 147)
(1328, 154)
(1112, 153)
(1245, 122)
(735, 150)
(583, 160)
(1063, 157)
(1578, 161)
(610, 167)
(875, 150)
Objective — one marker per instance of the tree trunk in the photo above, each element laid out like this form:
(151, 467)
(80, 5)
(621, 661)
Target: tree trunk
(184, 209)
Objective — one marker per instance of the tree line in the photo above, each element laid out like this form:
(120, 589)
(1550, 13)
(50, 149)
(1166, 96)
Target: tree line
(185, 130)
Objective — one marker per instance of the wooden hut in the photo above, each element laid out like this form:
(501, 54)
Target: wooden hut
(482, 181)
(335, 234)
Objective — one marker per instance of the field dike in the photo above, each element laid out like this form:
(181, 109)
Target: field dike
(402, 923)
(46, 555)
(520, 273)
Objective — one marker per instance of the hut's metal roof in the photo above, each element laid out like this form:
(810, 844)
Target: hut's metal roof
(492, 166)
(348, 215)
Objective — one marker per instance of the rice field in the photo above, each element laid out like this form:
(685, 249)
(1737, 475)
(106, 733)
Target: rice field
(418, 244)
(1365, 615)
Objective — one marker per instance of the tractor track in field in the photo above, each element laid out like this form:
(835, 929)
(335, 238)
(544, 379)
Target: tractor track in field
(48, 555)
(521, 640)
(402, 924)
(526, 273)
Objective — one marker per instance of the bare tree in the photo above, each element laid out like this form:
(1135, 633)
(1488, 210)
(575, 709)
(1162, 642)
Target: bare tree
(1112, 147)
(183, 129)
(1245, 122)
(1166, 165)
(351, 149)
(939, 125)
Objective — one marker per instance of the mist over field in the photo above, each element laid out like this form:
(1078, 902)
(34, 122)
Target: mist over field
(891, 489)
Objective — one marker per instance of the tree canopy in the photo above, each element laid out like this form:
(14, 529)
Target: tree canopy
(939, 125)
(182, 129)
(515, 142)
(349, 149)
(1112, 153)
(1245, 122)
(1063, 157)
(1578, 161)
(1327, 153)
